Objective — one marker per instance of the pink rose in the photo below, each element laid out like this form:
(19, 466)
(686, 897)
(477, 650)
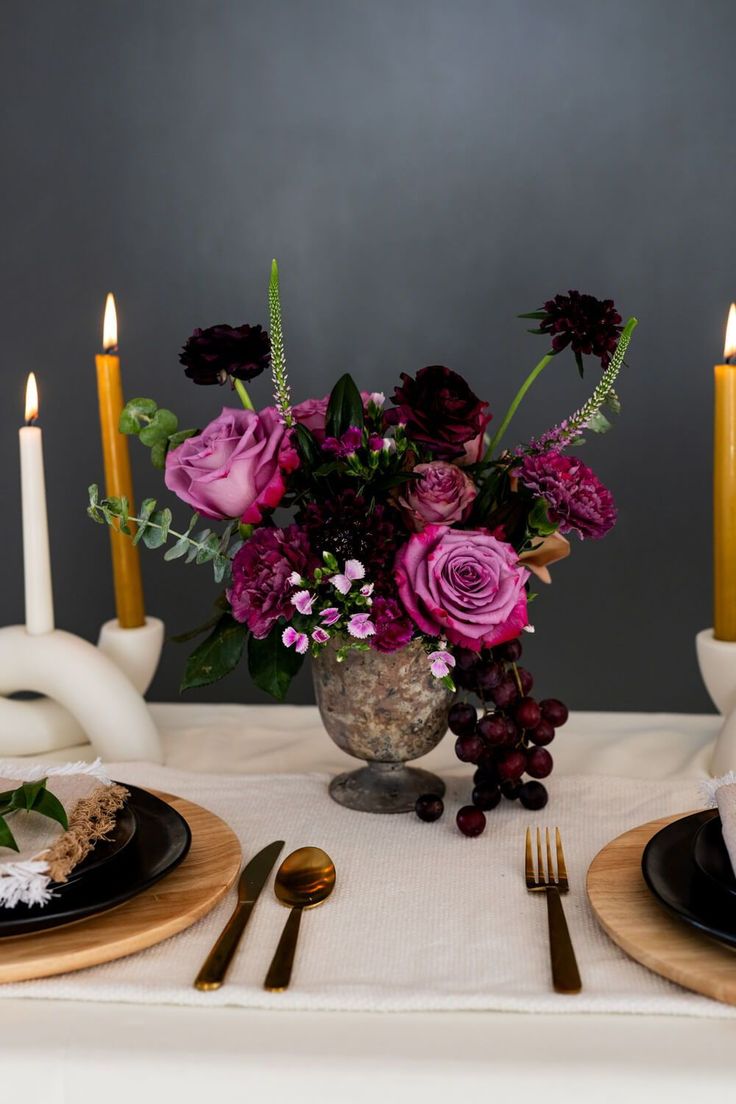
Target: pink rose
(440, 495)
(312, 413)
(235, 467)
(463, 584)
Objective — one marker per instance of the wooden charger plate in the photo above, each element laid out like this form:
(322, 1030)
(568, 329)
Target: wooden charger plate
(629, 913)
(171, 905)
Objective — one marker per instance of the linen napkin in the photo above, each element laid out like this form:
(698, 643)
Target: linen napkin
(47, 852)
(721, 793)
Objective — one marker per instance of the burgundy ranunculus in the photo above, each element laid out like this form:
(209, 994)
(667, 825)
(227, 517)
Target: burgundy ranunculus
(393, 628)
(463, 584)
(235, 467)
(260, 591)
(219, 352)
(440, 494)
(576, 499)
(440, 412)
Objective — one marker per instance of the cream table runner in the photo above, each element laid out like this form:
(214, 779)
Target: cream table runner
(421, 918)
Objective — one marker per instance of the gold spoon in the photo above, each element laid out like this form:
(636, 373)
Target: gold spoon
(304, 880)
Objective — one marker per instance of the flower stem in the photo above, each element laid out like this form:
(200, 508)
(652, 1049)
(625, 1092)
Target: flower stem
(515, 404)
(244, 396)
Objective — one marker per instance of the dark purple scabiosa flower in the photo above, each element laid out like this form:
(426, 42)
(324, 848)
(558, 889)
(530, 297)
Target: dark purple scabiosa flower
(346, 445)
(346, 526)
(225, 352)
(441, 413)
(393, 628)
(590, 326)
(260, 591)
(576, 499)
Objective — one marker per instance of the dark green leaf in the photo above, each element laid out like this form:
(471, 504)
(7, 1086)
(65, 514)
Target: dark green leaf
(50, 806)
(579, 362)
(538, 314)
(25, 796)
(180, 436)
(216, 656)
(539, 520)
(271, 665)
(345, 407)
(7, 839)
(308, 447)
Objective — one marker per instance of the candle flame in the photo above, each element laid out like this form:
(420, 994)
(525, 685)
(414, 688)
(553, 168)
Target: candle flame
(31, 399)
(730, 346)
(110, 324)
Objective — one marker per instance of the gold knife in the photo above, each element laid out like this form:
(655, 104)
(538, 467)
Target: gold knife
(252, 880)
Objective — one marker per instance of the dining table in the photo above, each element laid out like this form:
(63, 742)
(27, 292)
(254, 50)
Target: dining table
(119, 1051)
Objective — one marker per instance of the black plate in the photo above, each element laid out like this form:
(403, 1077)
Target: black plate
(107, 849)
(711, 855)
(670, 871)
(161, 841)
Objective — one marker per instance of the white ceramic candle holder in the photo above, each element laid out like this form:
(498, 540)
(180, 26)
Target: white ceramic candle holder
(93, 693)
(717, 659)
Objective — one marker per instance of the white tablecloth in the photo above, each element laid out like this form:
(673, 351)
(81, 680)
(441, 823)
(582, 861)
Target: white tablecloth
(149, 1052)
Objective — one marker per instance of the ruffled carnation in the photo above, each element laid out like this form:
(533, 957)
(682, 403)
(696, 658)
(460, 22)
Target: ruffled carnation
(576, 499)
(394, 630)
(261, 587)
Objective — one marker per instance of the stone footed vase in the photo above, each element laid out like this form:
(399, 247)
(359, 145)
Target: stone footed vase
(386, 709)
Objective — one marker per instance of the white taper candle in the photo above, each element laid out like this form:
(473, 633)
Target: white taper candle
(36, 554)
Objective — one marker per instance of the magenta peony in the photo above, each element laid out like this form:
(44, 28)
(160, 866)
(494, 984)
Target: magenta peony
(260, 591)
(576, 499)
(235, 467)
(439, 495)
(393, 627)
(463, 584)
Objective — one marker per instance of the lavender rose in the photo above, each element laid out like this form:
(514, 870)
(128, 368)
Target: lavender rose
(439, 495)
(576, 499)
(260, 591)
(463, 584)
(235, 467)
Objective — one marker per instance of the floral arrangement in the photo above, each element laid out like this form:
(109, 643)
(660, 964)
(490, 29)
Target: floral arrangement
(407, 519)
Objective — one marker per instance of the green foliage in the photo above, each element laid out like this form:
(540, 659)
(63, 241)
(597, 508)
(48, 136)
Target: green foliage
(539, 520)
(217, 655)
(271, 665)
(590, 415)
(155, 427)
(281, 389)
(29, 797)
(345, 407)
(153, 528)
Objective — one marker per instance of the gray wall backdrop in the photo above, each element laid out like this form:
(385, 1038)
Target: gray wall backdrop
(423, 170)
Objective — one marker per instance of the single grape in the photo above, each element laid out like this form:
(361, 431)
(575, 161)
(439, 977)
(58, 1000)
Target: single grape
(470, 821)
(465, 680)
(485, 775)
(511, 766)
(527, 713)
(469, 749)
(511, 650)
(533, 795)
(492, 728)
(465, 660)
(489, 676)
(539, 762)
(554, 711)
(510, 790)
(512, 731)
(505, 693)
(525, 678)
(542, 734)
(461, 718)
(429, 807)
(486, 797)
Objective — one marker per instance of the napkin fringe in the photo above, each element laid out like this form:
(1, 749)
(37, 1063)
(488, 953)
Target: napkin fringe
(33, 772)
(710, 787)
(26, 882)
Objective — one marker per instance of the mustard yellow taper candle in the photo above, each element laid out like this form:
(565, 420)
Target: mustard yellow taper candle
(126, 568)
(724, 489)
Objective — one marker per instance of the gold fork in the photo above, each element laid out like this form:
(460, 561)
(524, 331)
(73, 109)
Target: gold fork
(565, 973)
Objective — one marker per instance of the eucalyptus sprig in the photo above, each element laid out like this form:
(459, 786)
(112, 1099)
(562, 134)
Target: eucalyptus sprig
(30, 797)
(154, 426)
(153, 527)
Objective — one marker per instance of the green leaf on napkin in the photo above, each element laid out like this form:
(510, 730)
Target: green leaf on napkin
(271, 665)
(217, 655)
(29, 797)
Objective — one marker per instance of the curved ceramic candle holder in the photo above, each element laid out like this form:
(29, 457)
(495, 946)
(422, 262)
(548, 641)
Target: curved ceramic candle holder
(717, 659)
(94, 693)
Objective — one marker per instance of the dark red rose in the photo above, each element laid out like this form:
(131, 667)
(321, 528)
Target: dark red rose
(440, 413)
(221, 352)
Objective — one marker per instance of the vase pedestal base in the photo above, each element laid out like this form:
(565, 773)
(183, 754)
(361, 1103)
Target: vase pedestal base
(384, 788)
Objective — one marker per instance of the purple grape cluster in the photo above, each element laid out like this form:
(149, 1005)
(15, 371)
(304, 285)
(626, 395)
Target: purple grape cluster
(509, 739)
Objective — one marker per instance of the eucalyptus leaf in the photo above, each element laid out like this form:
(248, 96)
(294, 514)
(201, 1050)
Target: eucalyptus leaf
(136, 414)
(598, 423)
(158, 454)
(180, 436)
(216, 656)
(271, 665)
